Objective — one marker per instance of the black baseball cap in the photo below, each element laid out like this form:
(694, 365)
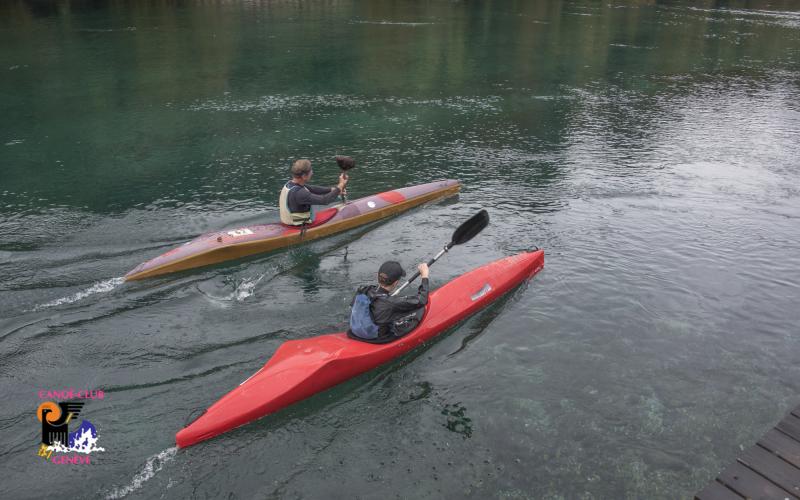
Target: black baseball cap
(390, 272)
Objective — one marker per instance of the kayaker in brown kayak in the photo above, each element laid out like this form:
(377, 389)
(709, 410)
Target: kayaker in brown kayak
(297, 196)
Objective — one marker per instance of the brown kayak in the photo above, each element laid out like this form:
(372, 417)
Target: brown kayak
(221, 246)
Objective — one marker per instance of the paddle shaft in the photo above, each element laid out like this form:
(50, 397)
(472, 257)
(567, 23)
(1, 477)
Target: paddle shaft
(463, 234)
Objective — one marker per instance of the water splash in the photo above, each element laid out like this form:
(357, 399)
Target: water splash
(242, 289)
(152, 466)
(99, 287)
(246, 288)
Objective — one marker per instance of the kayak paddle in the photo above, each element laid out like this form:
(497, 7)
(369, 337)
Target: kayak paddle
(345, 163)
(463, 234)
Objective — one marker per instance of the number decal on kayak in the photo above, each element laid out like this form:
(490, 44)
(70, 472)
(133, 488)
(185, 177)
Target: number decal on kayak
(240, 232)
(371, 204)
(483, 291)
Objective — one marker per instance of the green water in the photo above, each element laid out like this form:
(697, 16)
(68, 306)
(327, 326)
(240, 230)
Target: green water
(651, 148)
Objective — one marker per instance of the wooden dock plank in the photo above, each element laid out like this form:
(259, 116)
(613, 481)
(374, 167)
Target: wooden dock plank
(782, 445)
(770, 469)
(773, 468)
(717, 491)
(791, 426)
(751, 485)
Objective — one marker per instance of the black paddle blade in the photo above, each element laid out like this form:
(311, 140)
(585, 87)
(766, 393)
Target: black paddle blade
(345, 162)
(470, 228)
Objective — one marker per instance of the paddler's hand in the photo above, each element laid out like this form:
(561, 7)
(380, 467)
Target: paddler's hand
(342, 181)
(423, 270)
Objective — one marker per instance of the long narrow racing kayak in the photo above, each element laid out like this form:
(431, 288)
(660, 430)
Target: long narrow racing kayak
(213, 248)
(302, 368)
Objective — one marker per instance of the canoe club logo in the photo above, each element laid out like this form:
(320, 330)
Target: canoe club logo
(56, 416)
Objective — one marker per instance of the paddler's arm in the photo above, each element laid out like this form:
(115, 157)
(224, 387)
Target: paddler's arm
(409, 303)
(318, 189)
(318, 195)
(303, 197)
(422, 291)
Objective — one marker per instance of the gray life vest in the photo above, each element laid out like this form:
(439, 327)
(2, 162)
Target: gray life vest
(293, 218)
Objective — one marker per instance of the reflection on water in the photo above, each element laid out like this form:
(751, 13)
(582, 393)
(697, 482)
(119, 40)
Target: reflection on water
(148, 113)
(651, 149)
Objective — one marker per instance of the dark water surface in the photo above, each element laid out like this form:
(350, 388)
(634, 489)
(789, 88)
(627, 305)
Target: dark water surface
(651, 148)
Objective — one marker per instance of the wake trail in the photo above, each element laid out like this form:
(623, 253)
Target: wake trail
(151, 467)
(99, 287)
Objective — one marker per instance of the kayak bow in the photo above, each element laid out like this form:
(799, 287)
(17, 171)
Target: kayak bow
(213, 248)
(302, 368)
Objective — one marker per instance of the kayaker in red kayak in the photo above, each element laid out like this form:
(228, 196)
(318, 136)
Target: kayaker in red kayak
(377, 316)
(297, 196)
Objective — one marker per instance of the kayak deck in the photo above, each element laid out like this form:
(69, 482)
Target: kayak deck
(302, 368)
(221, 246)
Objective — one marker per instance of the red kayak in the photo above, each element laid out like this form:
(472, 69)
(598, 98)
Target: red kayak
(302, 368)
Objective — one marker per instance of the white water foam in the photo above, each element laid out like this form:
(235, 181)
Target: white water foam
(151, 467)
(245, 288)
(279, 103)
(99, 287)
(283, 103)
(242, 290)
(394, 23)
